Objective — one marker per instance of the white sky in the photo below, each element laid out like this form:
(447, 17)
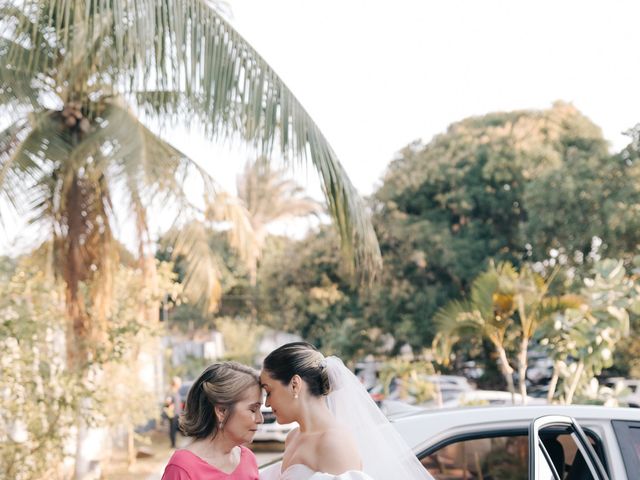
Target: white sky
(376, 75)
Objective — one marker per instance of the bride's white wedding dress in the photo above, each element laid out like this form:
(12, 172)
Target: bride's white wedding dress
(302, 472)
(384, 454)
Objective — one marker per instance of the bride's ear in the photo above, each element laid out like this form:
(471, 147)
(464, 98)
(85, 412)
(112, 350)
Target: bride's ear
(296, 384)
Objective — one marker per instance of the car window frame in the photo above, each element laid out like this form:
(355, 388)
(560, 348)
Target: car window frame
(621, 431)
(589, 453)
(501, 432)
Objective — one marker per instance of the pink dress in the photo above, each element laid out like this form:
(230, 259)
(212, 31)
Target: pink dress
(185, 465)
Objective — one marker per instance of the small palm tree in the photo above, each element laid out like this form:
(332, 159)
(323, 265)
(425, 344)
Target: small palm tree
(502, 300)
(270, 196)
(487, 313)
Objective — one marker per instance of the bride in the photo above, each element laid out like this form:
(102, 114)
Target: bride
(342, 435)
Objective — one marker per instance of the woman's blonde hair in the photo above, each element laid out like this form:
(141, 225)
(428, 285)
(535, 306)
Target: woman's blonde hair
(220, 384)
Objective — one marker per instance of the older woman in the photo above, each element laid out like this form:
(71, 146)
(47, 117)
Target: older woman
(222, 412)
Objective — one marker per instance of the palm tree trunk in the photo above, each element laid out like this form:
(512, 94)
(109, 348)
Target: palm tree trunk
(553, 383)
(574, 383)
(522, 368)
(507, 372)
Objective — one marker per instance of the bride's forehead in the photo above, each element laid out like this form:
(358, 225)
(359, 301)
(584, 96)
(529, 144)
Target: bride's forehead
(265, 378)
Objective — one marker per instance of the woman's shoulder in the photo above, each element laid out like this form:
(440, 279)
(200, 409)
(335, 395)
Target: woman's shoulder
(291, 436)
(182, 457)
(247, 455)
(179, 465)
(339, 448)
(338, 438)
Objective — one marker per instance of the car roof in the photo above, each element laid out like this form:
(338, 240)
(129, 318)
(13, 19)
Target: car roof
(419, 428)
(490, 413)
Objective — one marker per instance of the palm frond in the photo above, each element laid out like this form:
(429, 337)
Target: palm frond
(222, 82)
(24, 145)
(202, 280)
(27, 52)
(270, 196)
(483, 290)
(458, 319)
(226, 208)
(554, 304)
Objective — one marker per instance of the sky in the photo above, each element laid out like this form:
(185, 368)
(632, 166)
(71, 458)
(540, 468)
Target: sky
(377, 75)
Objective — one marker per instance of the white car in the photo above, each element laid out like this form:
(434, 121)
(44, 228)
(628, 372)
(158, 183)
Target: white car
(542, 442)
(270, 430)
(547, 442)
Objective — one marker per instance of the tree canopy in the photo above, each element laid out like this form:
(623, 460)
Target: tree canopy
(514, 186)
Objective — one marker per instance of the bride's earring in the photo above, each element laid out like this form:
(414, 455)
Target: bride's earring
(295, 395)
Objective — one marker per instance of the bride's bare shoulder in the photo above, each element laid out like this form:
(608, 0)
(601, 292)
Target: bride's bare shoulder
(291, 436)
(338, 451)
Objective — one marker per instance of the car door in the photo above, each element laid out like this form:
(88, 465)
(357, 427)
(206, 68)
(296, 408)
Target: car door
(628, 435)
(542, 466)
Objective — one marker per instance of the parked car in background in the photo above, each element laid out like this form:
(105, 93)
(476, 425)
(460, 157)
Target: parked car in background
(489, 397)
(449, 387)
(548, 442)
(182, 391)
(630, 390)
(270, 430)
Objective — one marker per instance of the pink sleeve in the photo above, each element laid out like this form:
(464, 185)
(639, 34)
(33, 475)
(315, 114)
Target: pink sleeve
(251, 456)
(174, 472)
(249, 464)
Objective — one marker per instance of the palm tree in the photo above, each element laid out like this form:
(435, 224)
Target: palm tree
(502, 300)
(74, 78)
(72, 74)
(487, 313)
(270, 197)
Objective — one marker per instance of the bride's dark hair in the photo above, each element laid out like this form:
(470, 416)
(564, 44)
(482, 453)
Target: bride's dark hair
(299, 358)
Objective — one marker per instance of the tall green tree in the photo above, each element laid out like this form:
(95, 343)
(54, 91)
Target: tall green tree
(304, 287)
(510, 186)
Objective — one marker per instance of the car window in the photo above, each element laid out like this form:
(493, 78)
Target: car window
(564, 453)
(494, 456)
(480, 458)
(628, 435)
